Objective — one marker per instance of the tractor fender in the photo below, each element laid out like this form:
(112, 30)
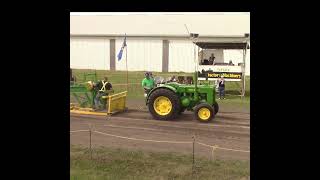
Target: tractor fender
(160, 87)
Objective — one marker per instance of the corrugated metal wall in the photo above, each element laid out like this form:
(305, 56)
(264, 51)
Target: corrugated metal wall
(142, 55)
(181, 56)
(236, 56)
(89, 53)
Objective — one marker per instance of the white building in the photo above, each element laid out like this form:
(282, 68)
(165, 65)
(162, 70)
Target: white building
(155, 42)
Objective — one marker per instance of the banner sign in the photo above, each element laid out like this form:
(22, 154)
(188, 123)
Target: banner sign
(230, 73)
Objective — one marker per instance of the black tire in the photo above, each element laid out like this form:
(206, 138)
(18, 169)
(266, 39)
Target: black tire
(175, 101)
(216, 108)
(208, 107)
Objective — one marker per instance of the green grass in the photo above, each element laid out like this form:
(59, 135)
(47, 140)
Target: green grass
(136, 91)
(117, 77)
(235, 103)
(116, 164)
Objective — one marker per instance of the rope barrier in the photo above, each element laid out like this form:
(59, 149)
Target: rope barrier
(214, 147)
(123, 137)
(79, 131)
(227, 149)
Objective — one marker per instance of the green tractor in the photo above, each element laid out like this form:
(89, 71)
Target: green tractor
(169, 100)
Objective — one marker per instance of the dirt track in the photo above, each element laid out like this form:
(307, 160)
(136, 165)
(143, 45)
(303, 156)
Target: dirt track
(229, 129)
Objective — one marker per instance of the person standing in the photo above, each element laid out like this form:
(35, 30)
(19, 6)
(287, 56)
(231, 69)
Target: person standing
(150, 75)
(172, 79)
(147, 83)
(72, 78)
(221, 84)
(102, 88)
(212, 59)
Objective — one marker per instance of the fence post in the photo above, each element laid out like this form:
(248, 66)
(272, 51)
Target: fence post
(213, 149)
(90, 142)
(193, 142)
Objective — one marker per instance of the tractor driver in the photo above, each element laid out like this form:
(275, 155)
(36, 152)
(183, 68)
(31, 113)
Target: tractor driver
(103, 88)
(147, 83)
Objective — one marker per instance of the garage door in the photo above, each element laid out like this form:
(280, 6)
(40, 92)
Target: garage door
(181, 56)
(143, 55)
(90, 53)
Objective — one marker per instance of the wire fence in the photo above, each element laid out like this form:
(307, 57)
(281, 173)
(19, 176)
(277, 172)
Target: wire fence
(212, 149)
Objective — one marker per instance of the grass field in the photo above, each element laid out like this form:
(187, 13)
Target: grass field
(116, 164)
(135, 78)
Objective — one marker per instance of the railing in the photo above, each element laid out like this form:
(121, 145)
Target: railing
(116, 102)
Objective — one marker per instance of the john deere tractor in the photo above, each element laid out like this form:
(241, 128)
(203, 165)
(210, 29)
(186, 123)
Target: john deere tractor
(169, 100)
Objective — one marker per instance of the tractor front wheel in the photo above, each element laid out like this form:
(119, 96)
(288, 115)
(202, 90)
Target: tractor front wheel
(204, 112)
(164, 104)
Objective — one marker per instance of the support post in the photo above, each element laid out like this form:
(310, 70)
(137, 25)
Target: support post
(193, 166)
(244, 70)
(90, 141)
(127, 67)
(112, 54)
(165, 56)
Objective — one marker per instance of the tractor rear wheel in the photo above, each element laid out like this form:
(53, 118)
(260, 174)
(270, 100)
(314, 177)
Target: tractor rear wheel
(216, 108)
(164, 104)
(204, 112)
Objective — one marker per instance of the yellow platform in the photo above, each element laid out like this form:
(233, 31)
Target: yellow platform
(115, 103)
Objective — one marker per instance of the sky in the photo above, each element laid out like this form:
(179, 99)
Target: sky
(151, 13)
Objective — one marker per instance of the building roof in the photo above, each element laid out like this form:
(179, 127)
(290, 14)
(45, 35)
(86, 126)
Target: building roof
(225, 43)
(209, 45)
(161, 25)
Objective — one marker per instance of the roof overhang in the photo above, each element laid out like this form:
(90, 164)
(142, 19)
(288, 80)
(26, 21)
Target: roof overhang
(222, 45)
(230, 42)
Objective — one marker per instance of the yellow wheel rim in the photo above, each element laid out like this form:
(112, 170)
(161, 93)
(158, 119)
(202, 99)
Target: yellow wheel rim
(162, 105)
(204, 114)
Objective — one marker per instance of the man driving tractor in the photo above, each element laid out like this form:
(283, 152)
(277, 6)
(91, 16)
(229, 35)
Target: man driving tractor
(147, 83)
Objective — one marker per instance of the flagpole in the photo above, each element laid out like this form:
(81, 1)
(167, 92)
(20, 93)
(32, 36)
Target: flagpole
(127, 66)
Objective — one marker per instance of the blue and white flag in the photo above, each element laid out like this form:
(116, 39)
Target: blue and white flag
(121, 50)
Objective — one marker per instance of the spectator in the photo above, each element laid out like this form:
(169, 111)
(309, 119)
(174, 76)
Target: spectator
(72, 78)
(210, 61)
(189, 80)
(173, 79)
(230, 63)
(205, 62)
(213, 58)
(181, 79)
(221, 84)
